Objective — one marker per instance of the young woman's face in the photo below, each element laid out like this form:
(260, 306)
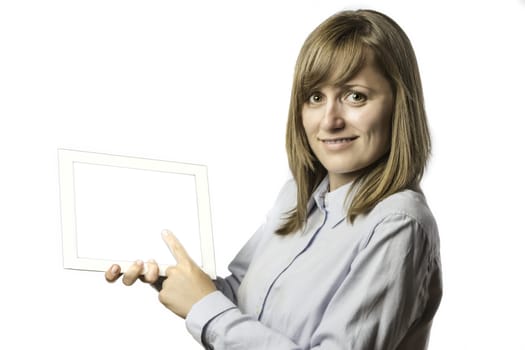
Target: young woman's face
(348, 126)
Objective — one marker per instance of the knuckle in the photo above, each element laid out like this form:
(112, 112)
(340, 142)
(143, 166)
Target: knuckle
(171, 270)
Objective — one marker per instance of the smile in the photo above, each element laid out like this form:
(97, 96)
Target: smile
(338, 140)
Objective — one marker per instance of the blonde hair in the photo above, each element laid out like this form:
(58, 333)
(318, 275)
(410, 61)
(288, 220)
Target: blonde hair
(338, 48)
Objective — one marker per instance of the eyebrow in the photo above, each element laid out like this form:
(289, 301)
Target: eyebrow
(345, 85)
(342, 86)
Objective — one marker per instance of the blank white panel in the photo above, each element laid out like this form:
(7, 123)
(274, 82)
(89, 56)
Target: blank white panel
(120, 212)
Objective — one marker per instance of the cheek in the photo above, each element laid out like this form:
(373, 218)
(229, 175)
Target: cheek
(308, 122)
(382, 128)
(378, 129)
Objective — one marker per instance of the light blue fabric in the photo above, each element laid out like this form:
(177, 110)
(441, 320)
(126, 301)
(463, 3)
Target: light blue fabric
(373, 284)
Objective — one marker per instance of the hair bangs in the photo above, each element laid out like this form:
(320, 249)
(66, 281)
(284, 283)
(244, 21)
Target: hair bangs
(334, 62)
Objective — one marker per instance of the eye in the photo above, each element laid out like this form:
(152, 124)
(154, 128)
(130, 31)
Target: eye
(356, 97)
(315, 98)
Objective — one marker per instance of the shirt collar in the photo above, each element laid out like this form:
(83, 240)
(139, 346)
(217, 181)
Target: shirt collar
(317, 197)
(335, 202)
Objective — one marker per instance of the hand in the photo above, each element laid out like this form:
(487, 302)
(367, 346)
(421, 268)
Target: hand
(185, 282)
(134, 272)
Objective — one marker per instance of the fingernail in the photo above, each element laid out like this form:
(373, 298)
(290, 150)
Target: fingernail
(165, 232)
(139, 262)
(151, 261)
(114, 270)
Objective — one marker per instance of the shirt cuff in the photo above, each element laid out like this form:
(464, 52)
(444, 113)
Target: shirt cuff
(204, 311)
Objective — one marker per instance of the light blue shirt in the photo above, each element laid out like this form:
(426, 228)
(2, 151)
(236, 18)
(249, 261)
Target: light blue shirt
(373, 284)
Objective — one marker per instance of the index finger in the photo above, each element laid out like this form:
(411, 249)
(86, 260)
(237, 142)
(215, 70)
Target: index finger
(177, 249)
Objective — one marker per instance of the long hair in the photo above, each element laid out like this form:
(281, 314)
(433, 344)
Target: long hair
(338, 47)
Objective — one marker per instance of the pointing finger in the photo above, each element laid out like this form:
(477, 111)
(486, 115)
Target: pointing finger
(176, 248)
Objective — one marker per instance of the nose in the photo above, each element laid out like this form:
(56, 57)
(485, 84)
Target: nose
(333, 116)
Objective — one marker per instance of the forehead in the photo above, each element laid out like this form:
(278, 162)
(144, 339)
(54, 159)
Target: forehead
(369, 76)
(335, 64)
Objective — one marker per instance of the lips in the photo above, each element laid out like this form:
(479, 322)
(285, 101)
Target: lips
(335, 141)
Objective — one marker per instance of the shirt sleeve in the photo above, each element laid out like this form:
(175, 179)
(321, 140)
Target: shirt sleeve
(383, 296)
(225, 299)
(217, 323)
(238, 267)
(387, 292)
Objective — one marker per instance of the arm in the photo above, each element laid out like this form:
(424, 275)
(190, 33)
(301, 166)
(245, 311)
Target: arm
(238, 267)
(380, 301)
(388, 290)
(218, 324)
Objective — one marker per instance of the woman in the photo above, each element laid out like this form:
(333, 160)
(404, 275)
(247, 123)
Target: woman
(349, 255)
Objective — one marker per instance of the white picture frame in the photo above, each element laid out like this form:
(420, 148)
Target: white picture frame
(110, 205)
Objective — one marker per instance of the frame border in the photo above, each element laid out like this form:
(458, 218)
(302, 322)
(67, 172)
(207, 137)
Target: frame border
(67, 158)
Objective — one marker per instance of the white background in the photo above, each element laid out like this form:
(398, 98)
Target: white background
(208, 82)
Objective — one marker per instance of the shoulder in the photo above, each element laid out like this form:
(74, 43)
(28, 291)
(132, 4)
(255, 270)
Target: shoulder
(404, 218)
(407, 204)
